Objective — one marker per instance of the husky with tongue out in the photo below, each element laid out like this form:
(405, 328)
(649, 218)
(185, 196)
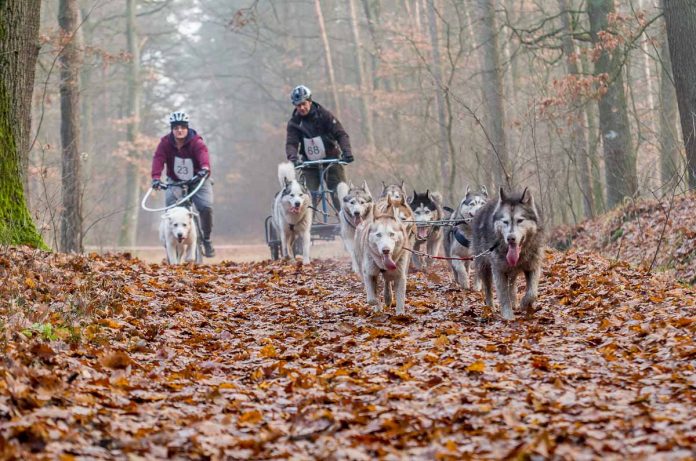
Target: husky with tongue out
(356, 208)
(292, 216)
(379, 249)
(511, 228)
(427, 208)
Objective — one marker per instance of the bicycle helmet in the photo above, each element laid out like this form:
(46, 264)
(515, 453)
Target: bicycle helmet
(178, 118)
(300, 94)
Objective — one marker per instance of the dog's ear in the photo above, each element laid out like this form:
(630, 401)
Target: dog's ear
(403, 188)
(412, 200)
(365, 188)
(484, 191)
(350, 185)
(503, 195)
(467, 193)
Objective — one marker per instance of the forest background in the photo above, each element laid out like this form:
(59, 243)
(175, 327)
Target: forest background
(574, 100)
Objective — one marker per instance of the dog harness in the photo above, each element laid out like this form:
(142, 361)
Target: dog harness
(460, 237)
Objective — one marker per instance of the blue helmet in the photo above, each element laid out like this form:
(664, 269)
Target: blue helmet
(300, 94)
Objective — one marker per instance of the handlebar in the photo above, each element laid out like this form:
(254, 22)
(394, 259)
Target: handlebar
(187, 182)
(326, 161)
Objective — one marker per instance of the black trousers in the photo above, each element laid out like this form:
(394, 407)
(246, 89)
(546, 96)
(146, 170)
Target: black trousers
(334, 175)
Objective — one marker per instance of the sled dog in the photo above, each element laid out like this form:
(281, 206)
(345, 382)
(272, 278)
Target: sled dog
(379, 249)
(427, 208)
(356, 208)
(511, 227)
(178, 234)
(292, 215)
(458, 236)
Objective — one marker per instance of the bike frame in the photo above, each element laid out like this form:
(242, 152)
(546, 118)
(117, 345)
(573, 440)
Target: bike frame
(324, 167)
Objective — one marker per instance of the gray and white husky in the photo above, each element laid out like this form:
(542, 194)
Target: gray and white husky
(292, 215)
(356, 208)
(511, 227)
(379, 250)
(458, 236)
(427, 208)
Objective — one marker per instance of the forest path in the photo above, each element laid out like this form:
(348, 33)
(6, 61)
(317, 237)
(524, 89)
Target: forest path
(279, 360)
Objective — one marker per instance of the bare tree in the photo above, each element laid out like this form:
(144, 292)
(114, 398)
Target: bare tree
(680, 16)
(578, 135)
(327, 56)
(492, 84)
(71, 214)
(439, 94)
(19, 31)
(619, 158)
(669, 148)
(365, 110)
(130, 216)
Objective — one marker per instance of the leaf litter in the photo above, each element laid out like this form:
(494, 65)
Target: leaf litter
(106, 357)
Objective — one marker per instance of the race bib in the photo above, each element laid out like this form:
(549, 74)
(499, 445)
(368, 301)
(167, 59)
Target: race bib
(183, 168)
(314, 148)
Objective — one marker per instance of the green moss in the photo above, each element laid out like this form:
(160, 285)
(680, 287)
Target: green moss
(16, 225)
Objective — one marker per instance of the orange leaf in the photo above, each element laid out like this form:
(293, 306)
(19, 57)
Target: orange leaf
(476, 367)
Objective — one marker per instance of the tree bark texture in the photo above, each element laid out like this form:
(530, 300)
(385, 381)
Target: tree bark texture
(670, 167)
(492, 83)
(439, 95)
(578, 135)
(366, 112)
(680, 16)
(329, 61)
(71, 215)
(619, 159)
(132, 188)
(19, 31)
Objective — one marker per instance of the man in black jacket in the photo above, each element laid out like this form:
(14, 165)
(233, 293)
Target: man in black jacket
(313, 133)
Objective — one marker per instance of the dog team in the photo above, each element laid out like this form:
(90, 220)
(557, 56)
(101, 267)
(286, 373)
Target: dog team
(499, 238)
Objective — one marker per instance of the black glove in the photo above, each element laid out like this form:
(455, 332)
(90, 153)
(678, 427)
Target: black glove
(202, 174)
(348, 158)
(157, 184)
(297, 162)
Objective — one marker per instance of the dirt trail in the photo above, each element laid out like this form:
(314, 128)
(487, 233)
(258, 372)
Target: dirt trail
(239, 253)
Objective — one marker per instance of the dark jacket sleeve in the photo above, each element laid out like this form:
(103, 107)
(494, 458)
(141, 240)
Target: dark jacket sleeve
(292, 142)
(334, 127)
(158, 160)
(202, 155)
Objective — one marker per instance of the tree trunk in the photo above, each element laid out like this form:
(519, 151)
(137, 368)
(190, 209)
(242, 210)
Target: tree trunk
(578, 136)
(132, 207)
(329, 60)
(492, 83)
(680, 16)
(367, 119)
(669, 148)
(619, 159)
(19, 31)
(71, 215)
(439, 95)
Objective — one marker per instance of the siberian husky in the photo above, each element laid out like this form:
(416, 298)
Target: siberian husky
(427, 208)
(356, 208)
(512, 229)
(178, 234)
(379, 249)
(458, 236)
(292, 215)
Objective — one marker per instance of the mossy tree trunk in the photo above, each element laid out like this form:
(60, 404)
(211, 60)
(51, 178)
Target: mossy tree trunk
(19, 31)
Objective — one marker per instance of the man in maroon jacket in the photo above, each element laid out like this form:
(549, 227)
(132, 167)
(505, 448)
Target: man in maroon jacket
(185, 155)
(313, 133)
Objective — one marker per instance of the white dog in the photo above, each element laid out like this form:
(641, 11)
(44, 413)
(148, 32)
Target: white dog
(178, 234)
(292, 215)
(356, 208)
(379, 248)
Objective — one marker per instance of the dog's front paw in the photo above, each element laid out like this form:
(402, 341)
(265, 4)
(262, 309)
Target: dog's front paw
(508, 314)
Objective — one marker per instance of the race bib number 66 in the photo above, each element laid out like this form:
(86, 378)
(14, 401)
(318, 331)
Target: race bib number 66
(314, 148)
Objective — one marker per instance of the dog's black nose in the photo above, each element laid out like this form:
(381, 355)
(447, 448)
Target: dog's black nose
(356, 213)
(385, 252)
(511, 239)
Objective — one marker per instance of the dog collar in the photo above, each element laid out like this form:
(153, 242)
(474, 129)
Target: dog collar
(461, 238)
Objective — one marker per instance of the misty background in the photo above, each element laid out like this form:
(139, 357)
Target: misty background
(442, 94)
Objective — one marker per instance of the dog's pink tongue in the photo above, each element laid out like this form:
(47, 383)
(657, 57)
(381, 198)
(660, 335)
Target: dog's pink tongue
(388, 261)
(295, 209)
(423, 232)
(513, 254)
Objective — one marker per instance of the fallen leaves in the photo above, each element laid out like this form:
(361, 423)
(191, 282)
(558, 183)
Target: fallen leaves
(272, 360)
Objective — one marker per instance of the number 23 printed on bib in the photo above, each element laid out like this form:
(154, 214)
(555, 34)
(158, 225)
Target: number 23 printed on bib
(183, 168)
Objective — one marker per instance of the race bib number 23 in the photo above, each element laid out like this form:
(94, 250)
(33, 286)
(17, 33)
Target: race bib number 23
(183, 168)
